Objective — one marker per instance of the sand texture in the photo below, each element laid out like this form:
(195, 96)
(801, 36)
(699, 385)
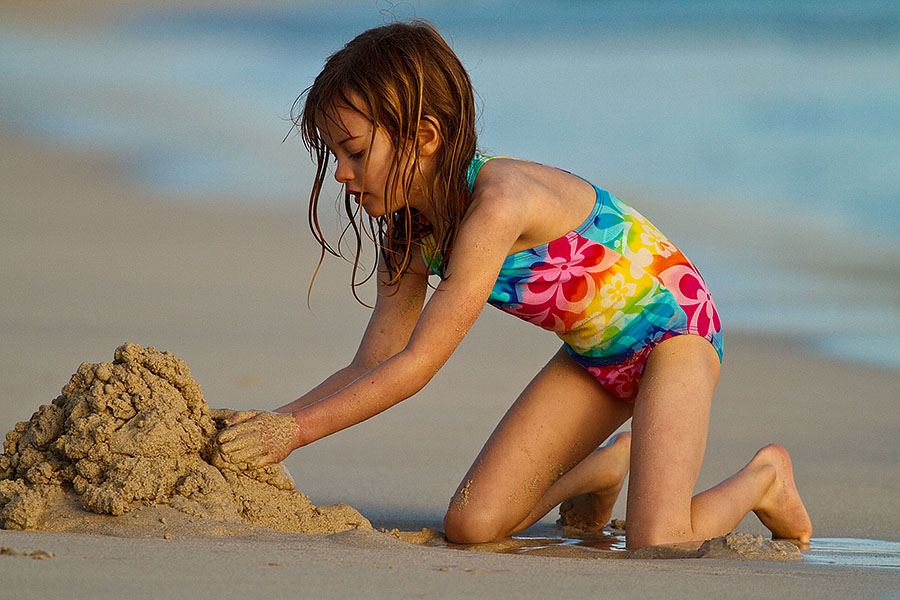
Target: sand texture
(137, 432)
(736, 545)
(79, 242)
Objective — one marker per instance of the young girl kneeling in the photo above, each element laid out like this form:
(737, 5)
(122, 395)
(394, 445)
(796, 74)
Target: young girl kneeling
(641, 336)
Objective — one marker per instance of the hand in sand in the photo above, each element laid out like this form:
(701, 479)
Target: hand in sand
(256, 438)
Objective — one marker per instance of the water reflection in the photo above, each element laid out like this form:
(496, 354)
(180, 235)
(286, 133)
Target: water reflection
(610, 543)
(854, 552)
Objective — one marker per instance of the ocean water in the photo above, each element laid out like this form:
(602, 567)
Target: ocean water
(763, 137)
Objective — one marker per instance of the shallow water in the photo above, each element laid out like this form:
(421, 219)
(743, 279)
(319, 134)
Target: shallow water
(603, 544)
(844, 552)
(854, 552)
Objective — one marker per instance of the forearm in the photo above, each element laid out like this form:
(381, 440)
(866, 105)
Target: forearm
(378, 389)
(337, 381)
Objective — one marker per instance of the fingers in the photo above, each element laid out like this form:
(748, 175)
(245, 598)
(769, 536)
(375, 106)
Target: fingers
(246, 451)
(238, 424)
(248, 455)
(265, 459)
(239, 438)
(241, 417)
(242, 443)
(256, 438)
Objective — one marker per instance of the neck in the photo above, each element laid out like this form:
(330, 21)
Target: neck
(420, 198)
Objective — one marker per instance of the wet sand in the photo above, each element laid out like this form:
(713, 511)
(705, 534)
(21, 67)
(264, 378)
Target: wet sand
(90, 261)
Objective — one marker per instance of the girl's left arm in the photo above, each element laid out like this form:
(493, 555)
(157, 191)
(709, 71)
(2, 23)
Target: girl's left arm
(486, 235)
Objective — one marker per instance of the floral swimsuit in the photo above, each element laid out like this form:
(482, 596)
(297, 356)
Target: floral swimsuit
(612, 289)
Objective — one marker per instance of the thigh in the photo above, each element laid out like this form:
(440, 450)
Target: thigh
(561, 417)
(669, 430)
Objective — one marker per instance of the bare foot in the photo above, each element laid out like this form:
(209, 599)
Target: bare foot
(591, 511)
(781, 509)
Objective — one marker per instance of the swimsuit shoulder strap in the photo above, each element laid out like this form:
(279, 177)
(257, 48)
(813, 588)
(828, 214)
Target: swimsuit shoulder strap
(477, 162)
(429, 245)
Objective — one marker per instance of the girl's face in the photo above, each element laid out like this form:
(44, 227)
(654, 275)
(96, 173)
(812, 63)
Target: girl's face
(348, 135)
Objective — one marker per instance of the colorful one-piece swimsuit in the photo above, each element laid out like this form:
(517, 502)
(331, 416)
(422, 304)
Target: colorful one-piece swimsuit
(612, 289)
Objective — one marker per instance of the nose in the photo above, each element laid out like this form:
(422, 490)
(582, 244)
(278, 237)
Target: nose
(343, 173)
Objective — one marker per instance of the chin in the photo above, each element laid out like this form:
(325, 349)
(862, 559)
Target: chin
(374, 212)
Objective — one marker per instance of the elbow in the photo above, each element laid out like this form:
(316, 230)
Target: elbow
(366, 360)
(360, 365)
(419, 368)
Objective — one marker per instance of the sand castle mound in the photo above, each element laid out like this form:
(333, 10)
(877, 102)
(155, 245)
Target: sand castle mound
(137, 433)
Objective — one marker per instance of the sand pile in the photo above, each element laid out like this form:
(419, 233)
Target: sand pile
(137, 433)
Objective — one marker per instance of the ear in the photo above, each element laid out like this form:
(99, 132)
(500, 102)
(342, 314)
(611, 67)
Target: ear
(429, 135)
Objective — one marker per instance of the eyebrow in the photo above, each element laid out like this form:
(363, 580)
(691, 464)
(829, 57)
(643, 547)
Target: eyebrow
(347, 139)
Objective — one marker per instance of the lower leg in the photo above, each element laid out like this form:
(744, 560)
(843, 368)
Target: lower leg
(588, 491)
(557, 422)
(669, 425)
(766, 487)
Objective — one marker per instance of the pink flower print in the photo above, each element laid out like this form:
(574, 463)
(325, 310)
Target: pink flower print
(691, 293)
(619, 380)
(615, 293)
(562, 285)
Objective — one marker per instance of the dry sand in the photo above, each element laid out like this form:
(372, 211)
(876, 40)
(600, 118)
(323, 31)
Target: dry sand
(89, 262)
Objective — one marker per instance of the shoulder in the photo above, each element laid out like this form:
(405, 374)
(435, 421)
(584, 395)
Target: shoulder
(522, 179)
(539, 201)
(522, 186)
(501, 207)
(499, 191)
(504, 184)
(502, 175)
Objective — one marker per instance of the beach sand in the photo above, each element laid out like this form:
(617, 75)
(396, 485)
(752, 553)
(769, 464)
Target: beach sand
(91, 261)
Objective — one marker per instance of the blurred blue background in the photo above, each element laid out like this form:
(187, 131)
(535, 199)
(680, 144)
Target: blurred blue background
(762, 137)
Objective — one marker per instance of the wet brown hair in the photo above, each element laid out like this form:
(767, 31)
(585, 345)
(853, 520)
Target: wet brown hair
(402, 73)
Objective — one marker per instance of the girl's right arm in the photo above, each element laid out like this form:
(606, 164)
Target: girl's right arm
(393, 319)
(396, 311)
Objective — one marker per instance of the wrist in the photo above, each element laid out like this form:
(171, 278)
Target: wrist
(300, 432)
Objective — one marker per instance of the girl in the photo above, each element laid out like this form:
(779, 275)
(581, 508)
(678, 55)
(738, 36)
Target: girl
(641, 338)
